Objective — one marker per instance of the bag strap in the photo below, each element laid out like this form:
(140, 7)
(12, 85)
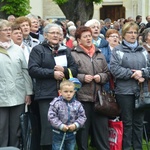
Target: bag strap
(70, 73)
(3, 51)
(26, 108)
(141, 90)
(111, 82)
(99, 97)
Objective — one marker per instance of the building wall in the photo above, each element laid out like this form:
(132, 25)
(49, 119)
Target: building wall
(37, 7)
(49, 9)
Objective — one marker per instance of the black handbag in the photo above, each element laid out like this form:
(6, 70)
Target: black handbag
(106, 104)
(142, 101)
(29, 130)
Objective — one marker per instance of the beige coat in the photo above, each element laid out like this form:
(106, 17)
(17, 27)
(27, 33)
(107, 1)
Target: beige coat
(15, 82)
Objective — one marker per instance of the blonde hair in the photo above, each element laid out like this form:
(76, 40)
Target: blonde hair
(127, 26)
(66, 82)
(4, 23)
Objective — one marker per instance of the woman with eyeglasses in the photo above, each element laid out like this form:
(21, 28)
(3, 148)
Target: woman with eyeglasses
(92, 73)
(128, 66)
(48, 65)
(113, 38)
(15, 87)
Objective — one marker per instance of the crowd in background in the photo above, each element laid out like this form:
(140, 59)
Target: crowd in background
(29, 74)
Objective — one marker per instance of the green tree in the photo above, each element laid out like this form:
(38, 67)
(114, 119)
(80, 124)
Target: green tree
(77, 9)
(14, 7)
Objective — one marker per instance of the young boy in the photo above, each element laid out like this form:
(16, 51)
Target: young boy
(66, 115)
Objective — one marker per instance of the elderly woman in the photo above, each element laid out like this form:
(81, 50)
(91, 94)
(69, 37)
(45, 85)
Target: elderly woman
(99, 42)
(128, 66)
(113, 38)
(25, 25)
(34, 30)
(70, 38)
(15, 87)
(48, 65)
(92, 72)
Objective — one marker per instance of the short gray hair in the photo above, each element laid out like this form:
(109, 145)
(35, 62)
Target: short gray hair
(145, 34)
(50, 25)
(30, 16)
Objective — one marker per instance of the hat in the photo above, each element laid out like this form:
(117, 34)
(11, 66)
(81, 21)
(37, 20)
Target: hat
(77, 83)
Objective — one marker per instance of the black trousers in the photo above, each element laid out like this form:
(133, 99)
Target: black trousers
(132, 122)
(46, 129)
(10, 131)
(95, 125)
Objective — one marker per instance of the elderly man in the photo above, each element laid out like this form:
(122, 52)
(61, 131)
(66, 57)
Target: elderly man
(11, 18)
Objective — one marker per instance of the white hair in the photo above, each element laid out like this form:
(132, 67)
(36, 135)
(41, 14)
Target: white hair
(71, 28)
(70, 23)
(91, 22)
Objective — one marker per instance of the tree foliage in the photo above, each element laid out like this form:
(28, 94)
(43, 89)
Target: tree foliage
(15, 7)
(59, 2)
(77, 9)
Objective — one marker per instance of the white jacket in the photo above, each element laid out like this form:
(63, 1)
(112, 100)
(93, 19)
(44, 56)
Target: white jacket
(15, 82)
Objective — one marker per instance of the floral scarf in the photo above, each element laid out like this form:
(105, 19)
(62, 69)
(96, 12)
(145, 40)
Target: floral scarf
(5, 45)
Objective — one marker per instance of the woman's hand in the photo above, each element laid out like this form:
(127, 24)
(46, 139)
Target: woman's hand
(137, 75)
(88, 78)
(58, 75)
(141, 80)
(97, 78)
(59, 68)
(28, 100)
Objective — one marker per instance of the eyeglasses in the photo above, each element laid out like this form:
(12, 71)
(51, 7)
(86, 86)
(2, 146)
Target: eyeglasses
(54, 33)
(35, 22)
(114, 36)
(6, 30)
(130, 32)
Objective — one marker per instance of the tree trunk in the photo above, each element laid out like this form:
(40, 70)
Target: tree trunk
(77, 10)
(3, 14)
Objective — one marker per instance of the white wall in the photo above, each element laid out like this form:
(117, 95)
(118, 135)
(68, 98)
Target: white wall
(37, 7)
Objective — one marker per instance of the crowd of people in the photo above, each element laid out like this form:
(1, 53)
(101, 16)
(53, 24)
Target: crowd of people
(37, 55)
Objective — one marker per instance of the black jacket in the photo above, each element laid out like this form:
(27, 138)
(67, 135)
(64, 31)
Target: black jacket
(41, 68)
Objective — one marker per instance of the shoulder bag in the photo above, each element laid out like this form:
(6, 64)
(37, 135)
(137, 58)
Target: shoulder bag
(106, 104)
(142, 101)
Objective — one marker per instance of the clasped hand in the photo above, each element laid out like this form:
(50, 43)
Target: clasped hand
(137, 75)
(89, 78)
(70, 127)
(58, 72)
